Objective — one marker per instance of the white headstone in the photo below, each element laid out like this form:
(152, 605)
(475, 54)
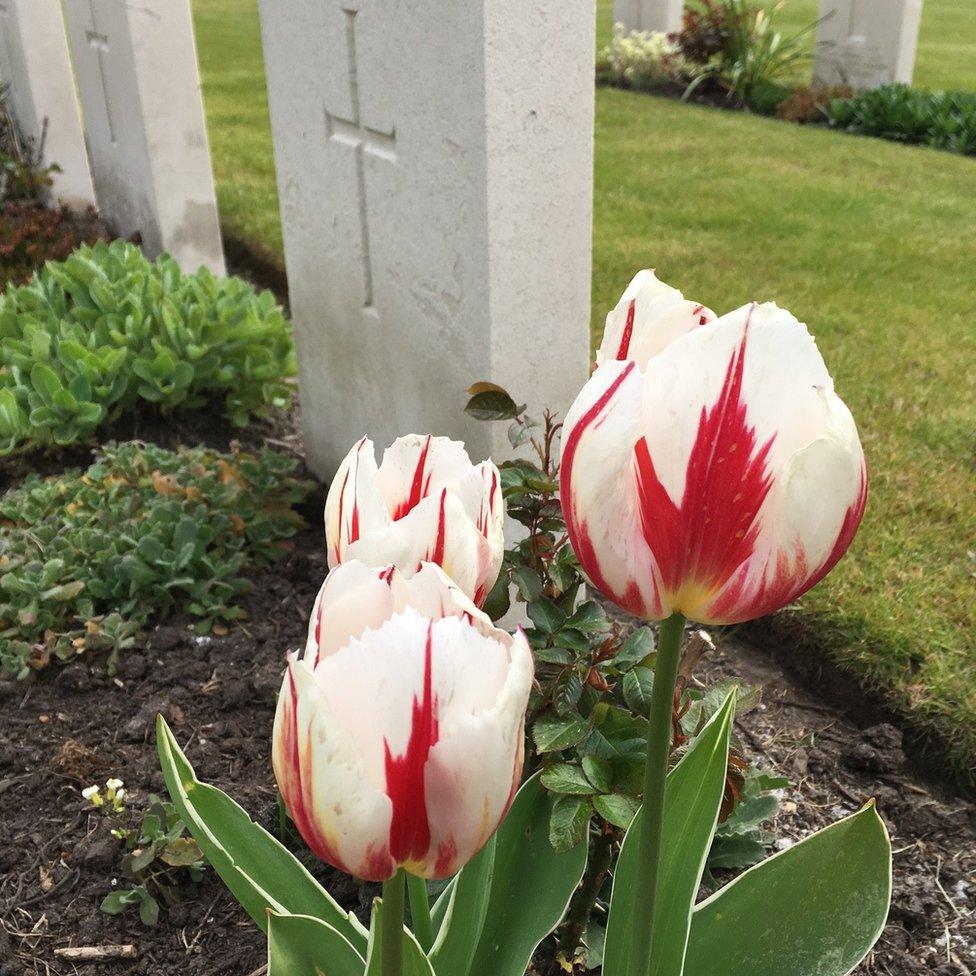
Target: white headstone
(34, 63)
(139, 82)
(435, 173)
(649, 15)
(867, 43)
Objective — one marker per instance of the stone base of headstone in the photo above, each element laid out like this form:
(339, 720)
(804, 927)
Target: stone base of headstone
(139, 83)
(435, 175)
(35, 65)
(649, 15)
(866, 43)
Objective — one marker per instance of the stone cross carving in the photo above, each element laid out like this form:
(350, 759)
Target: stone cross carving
(5, 30)
(99, 42)
(362, 139)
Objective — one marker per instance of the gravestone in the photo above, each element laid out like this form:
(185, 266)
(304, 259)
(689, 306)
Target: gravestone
(41, 96)
(435, 175)
(139, 82)
(866, 43)
(649, 15)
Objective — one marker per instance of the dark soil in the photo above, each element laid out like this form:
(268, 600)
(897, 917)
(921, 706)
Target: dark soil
(76, 726)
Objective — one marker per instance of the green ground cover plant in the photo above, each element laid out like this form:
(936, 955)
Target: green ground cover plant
(88, 558)
(868, 242)
(91, 336)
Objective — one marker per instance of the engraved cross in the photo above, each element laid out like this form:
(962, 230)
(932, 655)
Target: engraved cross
(99, 42)
(362, 140)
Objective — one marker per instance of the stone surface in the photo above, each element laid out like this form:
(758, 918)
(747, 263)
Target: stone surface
(34, 63)
(649, 15)
(867, 43)
(139, 83)
(435, 174)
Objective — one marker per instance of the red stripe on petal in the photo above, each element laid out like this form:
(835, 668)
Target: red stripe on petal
(576, 526)
(405, 780)
(418, 486)
(699, 544)
(624, 349)
(437, 554)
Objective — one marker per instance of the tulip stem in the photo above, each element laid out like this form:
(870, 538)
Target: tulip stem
(391, 937)
(655, 776)
(420, 922)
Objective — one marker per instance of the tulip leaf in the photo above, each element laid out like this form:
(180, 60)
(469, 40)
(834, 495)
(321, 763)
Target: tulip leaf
(464, 914)
(259, 871)
(531, 886)
(299, 945)
(414, 961)
(692, 800)
(815, 909)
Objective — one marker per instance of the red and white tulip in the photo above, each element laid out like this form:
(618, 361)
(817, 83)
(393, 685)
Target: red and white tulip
(426, 502)
(648, 316)
(719, 476)
(399, 734)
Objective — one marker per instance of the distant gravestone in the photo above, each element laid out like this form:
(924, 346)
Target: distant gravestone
(41, 96)
(139, 82)
(649, 15)
(435, 174)
(867, 43)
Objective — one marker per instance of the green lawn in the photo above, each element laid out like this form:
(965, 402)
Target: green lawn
(868, 241)
(946, 56)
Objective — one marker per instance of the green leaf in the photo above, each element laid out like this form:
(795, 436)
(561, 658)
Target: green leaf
(590, 618)
(492, 404)
(45, 381)
(530, 888)
(259, 871)
(546, 615)
(635, 648)
(692, 799)
(566, 778)
(148, 909)
(464, 915)
(415, 963)
(299, 945)
(599, 772)
(553, 732)
(569, 822)
(637, 686)
(616, 808)
(815, 909)
(498, 601)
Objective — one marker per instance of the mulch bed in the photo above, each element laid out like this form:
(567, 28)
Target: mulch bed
(75, 726)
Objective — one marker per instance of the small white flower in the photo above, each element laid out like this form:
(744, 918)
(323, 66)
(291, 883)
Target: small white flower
(113, 784)
(89, 792)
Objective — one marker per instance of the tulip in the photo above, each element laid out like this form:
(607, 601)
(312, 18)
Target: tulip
(426, 502)
(398, 738)
(721, 478)
(708, 471)
(648, 316)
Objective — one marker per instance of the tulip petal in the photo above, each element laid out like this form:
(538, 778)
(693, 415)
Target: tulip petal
(418, 465)
(649, 315)
(598, 490)
(354, 505)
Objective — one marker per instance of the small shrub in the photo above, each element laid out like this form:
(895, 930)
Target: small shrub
(810, 104)
(89, 337)
(160, 861)
(22, 174)
(944, 120)
(87, 558)
(639, 59)
(31, 234)
(754, 55)
(704, 30)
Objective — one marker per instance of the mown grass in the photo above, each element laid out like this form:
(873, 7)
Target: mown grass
(946, 45)
(869, 242)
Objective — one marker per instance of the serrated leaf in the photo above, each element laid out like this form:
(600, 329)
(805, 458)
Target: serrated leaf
(554, 732)
(616, 808)
(568, 823)
(599, 772)
(635, 648)
(637, 685)
(566, 778)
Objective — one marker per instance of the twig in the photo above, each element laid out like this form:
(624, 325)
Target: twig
(97, 953)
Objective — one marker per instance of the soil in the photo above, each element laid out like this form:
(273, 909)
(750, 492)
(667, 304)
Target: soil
(76, 726)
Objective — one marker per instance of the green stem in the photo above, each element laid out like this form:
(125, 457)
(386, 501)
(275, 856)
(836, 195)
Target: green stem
(420, 911)
(655, 776)
(391, 942)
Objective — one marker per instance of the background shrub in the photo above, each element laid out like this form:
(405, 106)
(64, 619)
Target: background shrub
(811, 103)
(640, 59)
(31, 234)
(86, 558)
(945, 120)
(89, 337)
(22, 174)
